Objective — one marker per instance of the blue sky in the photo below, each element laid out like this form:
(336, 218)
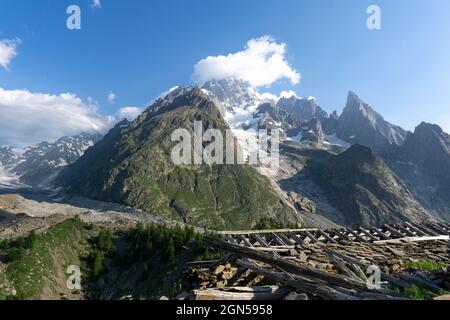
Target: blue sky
(138, 49)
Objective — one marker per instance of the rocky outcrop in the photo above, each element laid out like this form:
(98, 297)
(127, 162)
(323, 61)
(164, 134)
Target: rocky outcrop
(361, 124)
(305, 108)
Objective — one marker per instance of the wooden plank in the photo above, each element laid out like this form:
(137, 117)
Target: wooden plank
(356, 235)
(260, 240)
(424, 229)
(341, 235)
(326, 236)
(246, 232)
(246, 242)
(405, 230)
(278, 240)
(414, 239)
(393, 231)
(368, 234)
(387, 277)
(291, 267)
(320, 289)
(381, 234)
(296, 238)
(230, 239)
(311, 237)
(284, 238)
(446, 226)
(417, 231)
(437, 228)
(242, 293)
(278, 249)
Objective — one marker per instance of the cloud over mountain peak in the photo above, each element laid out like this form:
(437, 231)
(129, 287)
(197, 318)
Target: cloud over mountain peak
(261, 63)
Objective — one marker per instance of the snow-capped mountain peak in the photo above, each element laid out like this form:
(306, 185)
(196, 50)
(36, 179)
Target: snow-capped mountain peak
(35, 164)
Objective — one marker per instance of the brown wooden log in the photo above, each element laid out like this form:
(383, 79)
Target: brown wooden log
(304, 285)
(291, 267)
(242, 293)
(315, 288)
(387, 277)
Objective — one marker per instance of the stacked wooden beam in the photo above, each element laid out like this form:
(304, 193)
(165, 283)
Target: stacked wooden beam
(350, 284)
(285, 239)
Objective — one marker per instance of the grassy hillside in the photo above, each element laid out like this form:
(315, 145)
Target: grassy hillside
(140, 263)
(35, 266)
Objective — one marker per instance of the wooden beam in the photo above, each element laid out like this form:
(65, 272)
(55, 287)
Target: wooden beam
(381, 234)
(285, 238)
(387, 277)
(341, 235)
(319, 289)
(296, 238)
(311, 237)
(437, 228)
(243, 293)
(425, 229)
(416, 230)
(326, 236)
(368, 234)
(393, 231)
(356, 235)
(260, 240)
(414, 239)
(405, 230)
(246, 232)
(230, 239)
(246, 242)
(278, 240)
(291, 267)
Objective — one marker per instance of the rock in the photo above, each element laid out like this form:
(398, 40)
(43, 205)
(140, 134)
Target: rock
(296, 296)
(303, 257)
(183, 296)
(302, 203)
(164, 298)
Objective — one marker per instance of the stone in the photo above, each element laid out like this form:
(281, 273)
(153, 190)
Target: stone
(183, 296)
(296, 296)
(303, 257)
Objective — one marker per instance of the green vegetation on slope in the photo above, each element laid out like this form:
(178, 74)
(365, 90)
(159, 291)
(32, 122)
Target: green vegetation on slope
(425, 266)
(36, 265)
(143, 262)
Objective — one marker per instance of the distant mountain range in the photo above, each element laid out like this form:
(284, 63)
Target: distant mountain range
(38, 165)
(349, 169)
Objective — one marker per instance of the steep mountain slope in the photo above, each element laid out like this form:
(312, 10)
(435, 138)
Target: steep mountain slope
(423, 162)
(360, 185)
(359, 123)
(132, 166)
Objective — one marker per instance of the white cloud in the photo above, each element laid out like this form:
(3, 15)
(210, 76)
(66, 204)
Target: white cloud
(261, 63)
(111, 97)
(96, 4)
(27, 117)
(130, 113)
(288, 94)
(8, 50)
